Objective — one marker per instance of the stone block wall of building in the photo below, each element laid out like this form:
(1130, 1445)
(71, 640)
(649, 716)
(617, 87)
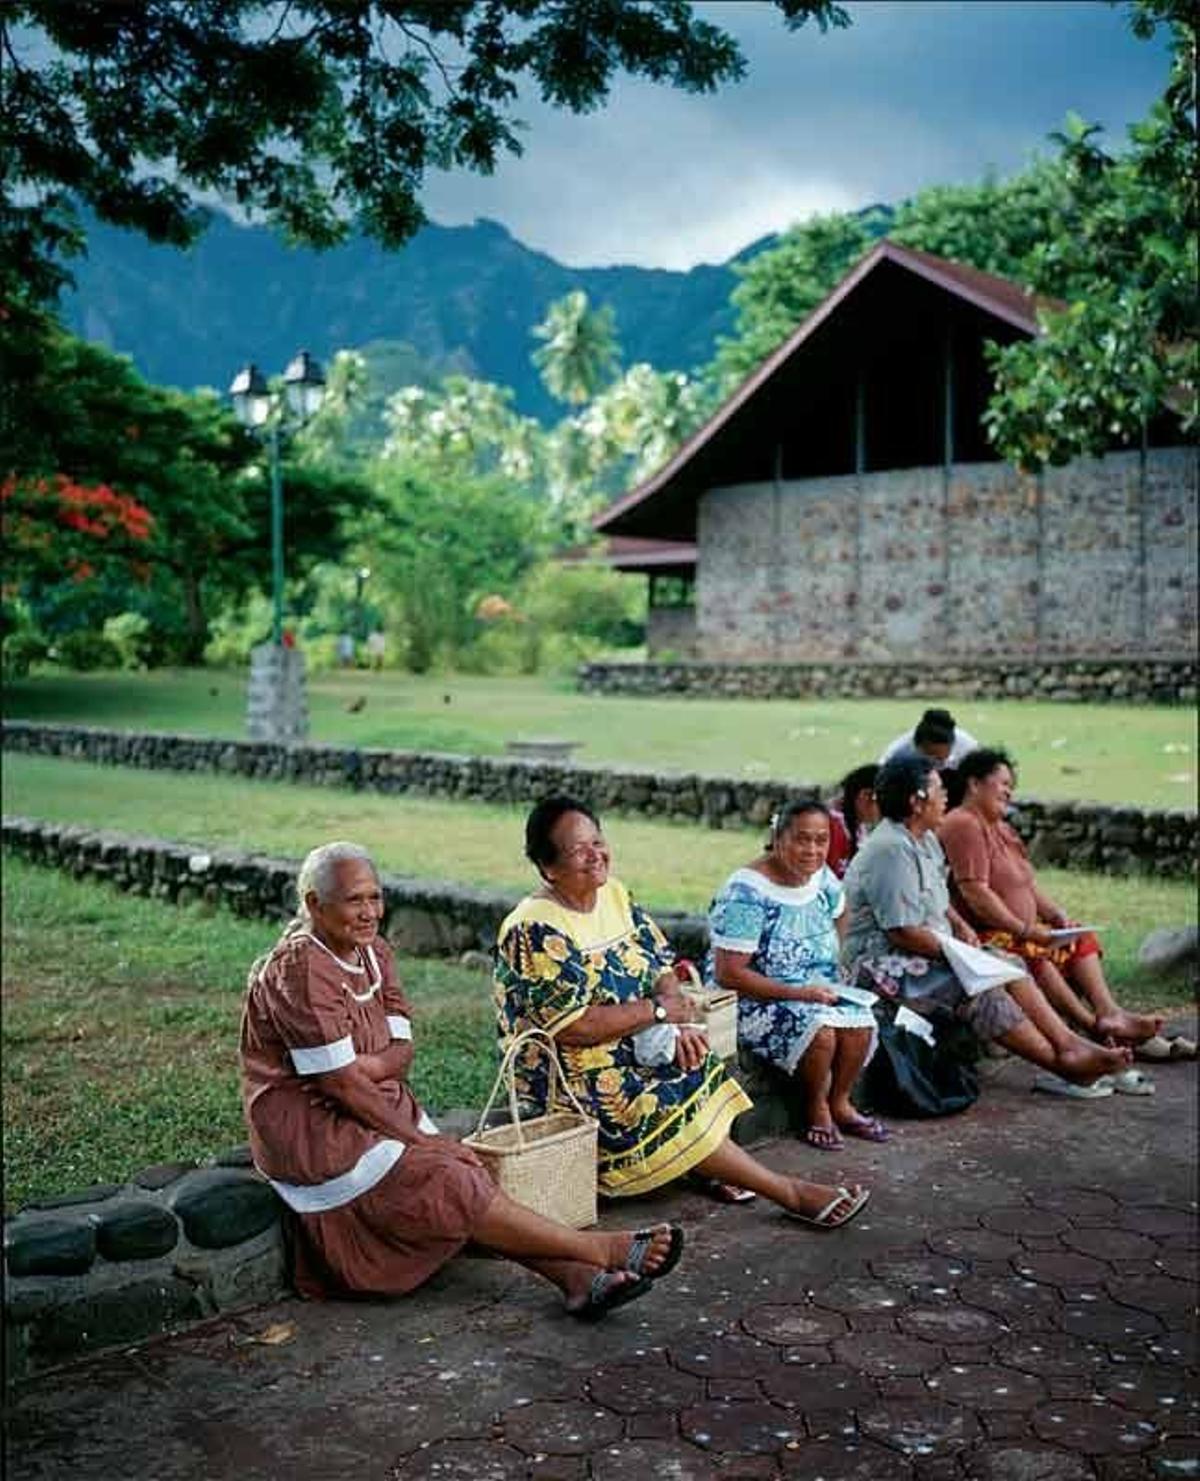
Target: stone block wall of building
(1097, 558)
(671, 630)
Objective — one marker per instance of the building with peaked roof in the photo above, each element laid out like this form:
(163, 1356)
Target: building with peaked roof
(844, 502)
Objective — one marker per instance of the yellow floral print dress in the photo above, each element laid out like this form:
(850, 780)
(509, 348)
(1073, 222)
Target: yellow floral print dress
(552, 965)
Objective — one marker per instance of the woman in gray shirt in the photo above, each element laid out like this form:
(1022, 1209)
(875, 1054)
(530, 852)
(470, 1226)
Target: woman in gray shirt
(898, 904)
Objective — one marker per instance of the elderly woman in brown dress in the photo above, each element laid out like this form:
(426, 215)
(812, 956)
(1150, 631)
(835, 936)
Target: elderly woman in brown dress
(381, 1199)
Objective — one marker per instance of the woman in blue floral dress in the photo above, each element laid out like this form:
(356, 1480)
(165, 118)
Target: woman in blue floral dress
(776, 928)
(579, 960)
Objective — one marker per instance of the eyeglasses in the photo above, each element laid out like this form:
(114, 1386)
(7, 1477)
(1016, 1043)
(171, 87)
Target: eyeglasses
(582, 850)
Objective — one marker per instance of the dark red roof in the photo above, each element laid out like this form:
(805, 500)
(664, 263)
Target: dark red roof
(633, 553)
(999, 297)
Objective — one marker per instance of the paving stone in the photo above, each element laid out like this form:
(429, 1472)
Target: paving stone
(1123, 1468)
(1063, 1268)
(727, 1357)
(1177, 1459)
(161, 1175)
(987, 1386)
(953, 1323)
(219, 1207)
(1172, 1299)
(830, 1387)
(1023, 1220)
(855, 1296)
(558, 1468)
(1093, 1428)
(916, 1270)
(748, 1467)
(1020, 1303)
(1152, 1390)
(656, 1426)
(752, 1426)
(1182, 1264)
(1082, 1206)
(1104, 1321)
(794, 1325)
(49, 1244)
(1005, 1424)
(807, 1357)
(1050, 1355)
(631, 1459)
(463, 1460)
(883, 1354)
(1026, 1462)
(832, 1424)
(920, 1427)
(728, 1389)
(1159, 1222)
(1106, 1243)
(845, 1460)
(937, 1468)
(973, 1244)
(561, 1427)
(645, 1386)
(1179, 1348)
(136, 1230)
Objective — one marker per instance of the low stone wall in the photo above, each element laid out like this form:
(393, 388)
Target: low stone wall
(1071, 835)
(122, 1262)
(1094, 681)
(421, 917)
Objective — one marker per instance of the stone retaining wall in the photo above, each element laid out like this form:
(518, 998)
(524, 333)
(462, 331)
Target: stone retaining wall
(1072, 835)
(1092, 681)
(121, 1262)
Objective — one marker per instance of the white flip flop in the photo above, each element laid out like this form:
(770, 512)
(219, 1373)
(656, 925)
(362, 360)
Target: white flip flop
(1132, 1082)
(1054, 1085)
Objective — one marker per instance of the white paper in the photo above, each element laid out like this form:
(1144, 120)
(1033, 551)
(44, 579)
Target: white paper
(977, 970)
(863, 996)
(913, 1023)
(1069, 933)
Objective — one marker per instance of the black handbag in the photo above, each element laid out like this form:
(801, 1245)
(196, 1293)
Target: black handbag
(908, 1077)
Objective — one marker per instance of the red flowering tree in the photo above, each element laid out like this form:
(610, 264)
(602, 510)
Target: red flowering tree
(55, 526)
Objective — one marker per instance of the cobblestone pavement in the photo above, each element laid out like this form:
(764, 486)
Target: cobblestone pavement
(1017, 1303)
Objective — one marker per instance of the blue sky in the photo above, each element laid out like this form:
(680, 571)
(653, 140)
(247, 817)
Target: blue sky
(916, 92)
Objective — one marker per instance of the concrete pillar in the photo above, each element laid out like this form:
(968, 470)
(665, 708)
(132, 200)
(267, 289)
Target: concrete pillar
(277, 699)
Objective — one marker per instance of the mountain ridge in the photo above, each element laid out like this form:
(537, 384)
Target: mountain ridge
(465, 297)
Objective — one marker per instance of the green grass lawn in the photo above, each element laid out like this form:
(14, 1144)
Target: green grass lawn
(120, 1032)
(1105, 753)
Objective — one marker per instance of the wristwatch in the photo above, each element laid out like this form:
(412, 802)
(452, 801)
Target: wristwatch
(660, 1012)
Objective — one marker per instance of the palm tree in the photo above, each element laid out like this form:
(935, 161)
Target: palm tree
(579, 348)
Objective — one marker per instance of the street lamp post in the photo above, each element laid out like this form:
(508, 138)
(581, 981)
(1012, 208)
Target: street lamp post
(277, 706)
(361, 577)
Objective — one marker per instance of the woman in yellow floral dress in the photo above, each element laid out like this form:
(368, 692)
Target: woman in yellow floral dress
(578, 959)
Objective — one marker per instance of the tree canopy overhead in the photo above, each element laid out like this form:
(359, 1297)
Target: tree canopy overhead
(324, 115)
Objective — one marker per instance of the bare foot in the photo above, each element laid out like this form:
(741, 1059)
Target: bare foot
(617, 1247)
(1081, 1063)
(810, 1198)
(1129, 1028)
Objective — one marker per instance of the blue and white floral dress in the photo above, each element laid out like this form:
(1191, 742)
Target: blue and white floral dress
(788, 932)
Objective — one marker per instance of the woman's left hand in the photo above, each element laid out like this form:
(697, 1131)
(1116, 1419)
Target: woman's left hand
(965, 932)
(691, 1047)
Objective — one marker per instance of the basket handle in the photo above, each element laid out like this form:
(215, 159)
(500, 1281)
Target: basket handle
(506, 1076)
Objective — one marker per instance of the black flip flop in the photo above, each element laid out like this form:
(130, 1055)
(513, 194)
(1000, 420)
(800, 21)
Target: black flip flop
(640, 1248)
(606, 1293)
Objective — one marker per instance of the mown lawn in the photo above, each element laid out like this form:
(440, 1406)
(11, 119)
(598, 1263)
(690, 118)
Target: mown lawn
(120, 1031)
(1106, 753)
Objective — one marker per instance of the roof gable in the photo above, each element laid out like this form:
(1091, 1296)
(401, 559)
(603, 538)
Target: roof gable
(999, 297)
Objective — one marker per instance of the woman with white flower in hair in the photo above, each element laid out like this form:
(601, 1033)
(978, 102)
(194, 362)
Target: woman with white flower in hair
(381, 1199)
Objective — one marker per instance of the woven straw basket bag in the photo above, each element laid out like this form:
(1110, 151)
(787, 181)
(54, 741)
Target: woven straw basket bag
(719, 1012)
(546, 1162)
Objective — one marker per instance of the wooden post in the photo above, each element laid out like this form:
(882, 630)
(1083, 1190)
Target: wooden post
(947, 469)
(860, 509)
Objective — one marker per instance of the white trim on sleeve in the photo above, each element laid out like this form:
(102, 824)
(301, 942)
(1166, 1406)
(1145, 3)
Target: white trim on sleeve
(324, 1057)
(399, 1026)
(427, 1124)
(317, 1198)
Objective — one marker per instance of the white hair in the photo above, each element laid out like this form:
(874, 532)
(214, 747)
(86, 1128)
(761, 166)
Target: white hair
(316, 878)
(319, 867)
